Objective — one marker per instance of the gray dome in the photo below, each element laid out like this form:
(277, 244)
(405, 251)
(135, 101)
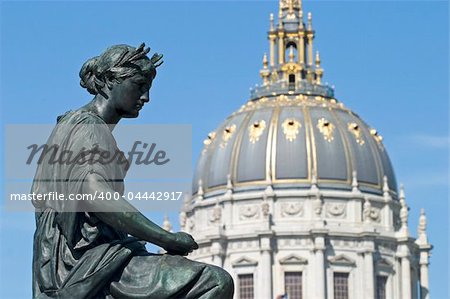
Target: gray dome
(291, 141)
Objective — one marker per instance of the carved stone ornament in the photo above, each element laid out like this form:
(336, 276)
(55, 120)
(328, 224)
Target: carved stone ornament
(374, 215)
(318, 206)
(366, 210)
(244, 262)
(248, 212)
(356, 131)
(215, 214)
(265, 208)
(293, 260)
(335, 209)
(290, 128)
(227, 134)
(341, 260)
(326, 128)
(289, 209)
(255, 130)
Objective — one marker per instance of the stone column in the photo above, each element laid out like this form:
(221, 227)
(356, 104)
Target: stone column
(310, 49)
(369, 275)
(320, 286)
(424, 285)
(265, 269)
(272, 50)
(406, 277)
(281, 47)
(301, 47)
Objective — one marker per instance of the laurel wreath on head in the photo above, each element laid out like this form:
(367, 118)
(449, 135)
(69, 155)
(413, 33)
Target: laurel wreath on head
(128, 57)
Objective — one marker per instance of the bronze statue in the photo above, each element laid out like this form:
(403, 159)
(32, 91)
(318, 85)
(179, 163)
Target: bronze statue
(101, 254)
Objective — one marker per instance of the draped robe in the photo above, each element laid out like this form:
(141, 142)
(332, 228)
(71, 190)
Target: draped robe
(76, 255)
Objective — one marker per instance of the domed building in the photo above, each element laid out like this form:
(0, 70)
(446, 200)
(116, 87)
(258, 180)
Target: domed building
(294, 194)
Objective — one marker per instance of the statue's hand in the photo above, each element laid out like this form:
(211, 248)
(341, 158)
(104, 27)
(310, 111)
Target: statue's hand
(182, 244)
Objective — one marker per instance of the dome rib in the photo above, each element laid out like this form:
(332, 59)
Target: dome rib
(324, 138)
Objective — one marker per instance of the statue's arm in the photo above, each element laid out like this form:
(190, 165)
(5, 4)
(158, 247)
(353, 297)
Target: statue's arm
(128, 219)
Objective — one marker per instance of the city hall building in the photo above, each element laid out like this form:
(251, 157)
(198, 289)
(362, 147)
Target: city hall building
(294, 194)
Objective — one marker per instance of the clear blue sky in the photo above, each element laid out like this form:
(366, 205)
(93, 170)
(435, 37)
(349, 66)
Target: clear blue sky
(387, 59)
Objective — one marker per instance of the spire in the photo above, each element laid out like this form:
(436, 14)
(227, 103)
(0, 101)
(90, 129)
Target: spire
(355, 188)
(291, 67)
(310, 21)
(291, 54)
(229, 193)
(386, 194)
(300, 23)
(422, 237)
(319, 70)
(403, 212)
(199, 196)
(272, 26)
(265, 62)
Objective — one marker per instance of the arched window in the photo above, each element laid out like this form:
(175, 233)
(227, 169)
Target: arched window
(291, 46)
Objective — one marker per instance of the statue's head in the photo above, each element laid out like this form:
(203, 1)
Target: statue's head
(116, 64)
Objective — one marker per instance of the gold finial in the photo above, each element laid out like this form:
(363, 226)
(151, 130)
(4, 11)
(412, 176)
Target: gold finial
(319, 74)
(300, 22)
(272, 26)
(265, 62)
(291, 54)
(309, 21)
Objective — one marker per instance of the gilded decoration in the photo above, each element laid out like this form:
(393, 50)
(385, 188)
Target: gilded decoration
(210, 138)
(227, 134)
(255, 130)
(376, 136)
(326, 128)
(356, 131)
(208, 141)
(290, 128)
(288, 4)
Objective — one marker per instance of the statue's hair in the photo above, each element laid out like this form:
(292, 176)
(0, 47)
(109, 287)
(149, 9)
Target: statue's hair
(115, 64)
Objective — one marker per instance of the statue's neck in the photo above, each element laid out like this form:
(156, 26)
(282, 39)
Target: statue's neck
(103, 108)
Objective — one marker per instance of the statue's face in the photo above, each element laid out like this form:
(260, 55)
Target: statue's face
(129, 96)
